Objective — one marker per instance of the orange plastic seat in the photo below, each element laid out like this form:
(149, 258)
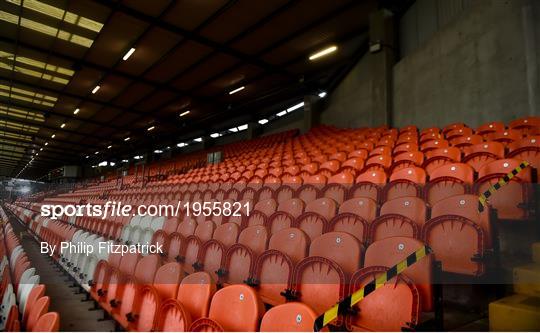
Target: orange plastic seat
(211, 253)
(49, 322)
(195, 294)
(489, 128)
(378, 162)
(287, 212)
(458, 234)
(338, 187)
(274, 268)
(448, 180)
(341, 247)
(392, 307)
(203, 233)
(389, 251)
(236, 308)
(512, 200)
(478, 155)
(315, 219)
(407, 159)
(354, 217)
(39, 308)
(173, 317)
(289, 317)
(402, 216)
(466, 141)
(441, 156)
(527, 149)
(318, 283)
(368, 185)
(145, 273)
(405, 182)
(36, 293)
(261, 211)
(505, 137)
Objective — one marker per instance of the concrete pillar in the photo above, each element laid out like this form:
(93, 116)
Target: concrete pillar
(531, 25)
(311, 112)
(252, 130)
(382, 56)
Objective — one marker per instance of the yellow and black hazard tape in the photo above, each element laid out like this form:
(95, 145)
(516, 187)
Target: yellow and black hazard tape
(347, 303)
(482, 199)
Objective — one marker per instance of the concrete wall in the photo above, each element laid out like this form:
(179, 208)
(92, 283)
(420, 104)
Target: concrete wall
(466, 61)
(472, 70)
(350, 104)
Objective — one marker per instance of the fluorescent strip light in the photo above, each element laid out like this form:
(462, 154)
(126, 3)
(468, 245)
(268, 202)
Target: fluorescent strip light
(158, 151)
(95, 89)
(214, 135)
(109, 147)
(295, 107)
(112, 163)
(198, 140)
(40, 149)
(86, 156)
(97, 152)
(242, 127)
(185, 113)
(322, 53)
(63, 125)
(181, 144)
(263, 121)
(46, 143)
(138, 157)
(128, 54)
(125, 161)
(234, 129)
(104, 163)
(127, 139)
(236, 90)
(322, 94)
(76, 111)
(52, 136)
(150, 128)
(282, 113)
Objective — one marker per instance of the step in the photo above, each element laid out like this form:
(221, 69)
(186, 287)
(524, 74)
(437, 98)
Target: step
(515, 313)
(536, 252)
(527, 280)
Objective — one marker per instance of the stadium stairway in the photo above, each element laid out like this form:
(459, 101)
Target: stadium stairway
(521, 311)
(74, 311)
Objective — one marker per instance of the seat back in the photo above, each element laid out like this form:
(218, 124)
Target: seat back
(341, 247)
(255, 238)
(291, 241)
(237, 308)
(288, 317)
(389, 251)
(40, 307)
(195, 293)
(49, 322)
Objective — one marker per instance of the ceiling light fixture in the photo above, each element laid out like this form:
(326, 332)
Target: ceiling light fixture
(52, 136)
(185, 113)
(127, 139)
(263, 121)
(150, 128)
(237, 90)
(76, 111)
(198, 140)
(95, 89)
(322, 94)
(324, 52)
(128, 54)
(63, 125)
(214, 135)
(181, 144)
(109, 147)
(158, 151)
(46, 143)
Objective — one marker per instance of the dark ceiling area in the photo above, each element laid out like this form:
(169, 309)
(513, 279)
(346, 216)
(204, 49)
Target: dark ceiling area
(188, 56)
